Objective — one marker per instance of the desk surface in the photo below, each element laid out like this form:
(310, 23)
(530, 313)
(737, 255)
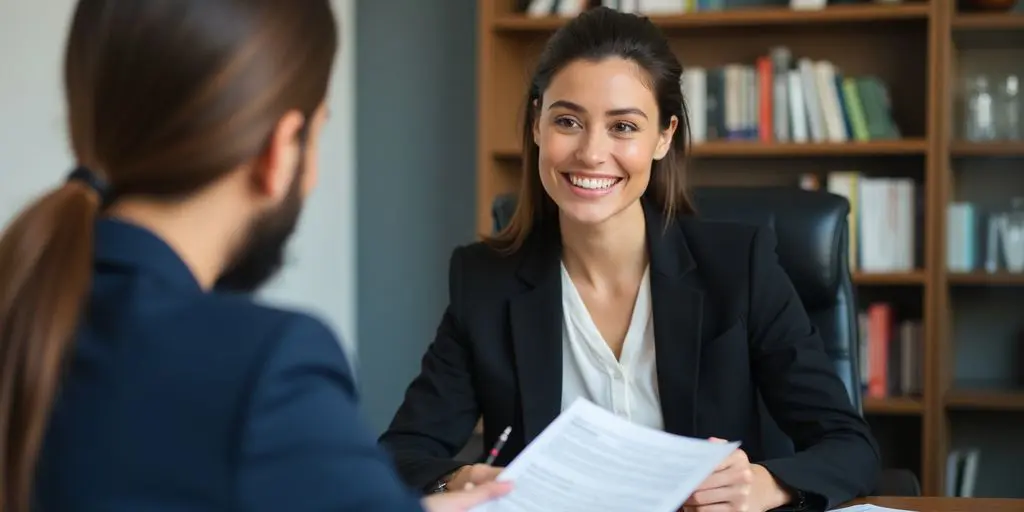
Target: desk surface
(929, 504)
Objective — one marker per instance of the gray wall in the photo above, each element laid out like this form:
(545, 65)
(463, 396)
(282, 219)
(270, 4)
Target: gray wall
(415, 191)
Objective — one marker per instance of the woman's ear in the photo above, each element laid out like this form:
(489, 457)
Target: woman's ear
(665, 139)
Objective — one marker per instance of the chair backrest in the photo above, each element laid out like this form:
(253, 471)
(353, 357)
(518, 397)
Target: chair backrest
(812, 235)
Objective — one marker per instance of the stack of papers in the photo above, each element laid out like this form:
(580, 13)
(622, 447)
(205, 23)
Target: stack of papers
(589, 459)
(868, 508)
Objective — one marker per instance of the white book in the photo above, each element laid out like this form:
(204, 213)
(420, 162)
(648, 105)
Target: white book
(629, 6)
(695, 91)
(661, 7)
(812, 101)
(906, 228)
(540, 8)
(845, 183)
(750, 113)
(832, 110)
(887, 216)
(876, 225)
(734, 100)
(780, 94)
(570, 8)
(797, 110)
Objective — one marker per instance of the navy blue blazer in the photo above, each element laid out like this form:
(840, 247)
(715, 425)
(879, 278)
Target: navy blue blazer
(177, 399)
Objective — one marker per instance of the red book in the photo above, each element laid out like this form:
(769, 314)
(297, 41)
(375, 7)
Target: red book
(879, 334)
(765, 87)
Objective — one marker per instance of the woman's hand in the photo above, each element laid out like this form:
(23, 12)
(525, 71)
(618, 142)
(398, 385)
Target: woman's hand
(468, 477)
(737, 486)
(463, 501)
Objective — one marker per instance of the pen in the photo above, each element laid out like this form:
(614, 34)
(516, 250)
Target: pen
(498, 446)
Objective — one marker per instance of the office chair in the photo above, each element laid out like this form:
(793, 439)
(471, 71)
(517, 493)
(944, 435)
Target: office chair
(812, 235)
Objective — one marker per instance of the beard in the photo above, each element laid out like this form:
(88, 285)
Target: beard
(262, 252)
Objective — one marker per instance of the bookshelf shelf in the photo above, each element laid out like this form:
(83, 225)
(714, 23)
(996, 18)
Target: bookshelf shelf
(893, 406)
(991, 149)
(984, 278)
(916, 277)
(743, 149)
(756, 149)
(988, 21)
(748, 17)
(986, 400)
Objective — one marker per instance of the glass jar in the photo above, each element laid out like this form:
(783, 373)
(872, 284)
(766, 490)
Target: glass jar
(979, 118)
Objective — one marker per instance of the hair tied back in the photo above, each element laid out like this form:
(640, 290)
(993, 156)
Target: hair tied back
(87, 176)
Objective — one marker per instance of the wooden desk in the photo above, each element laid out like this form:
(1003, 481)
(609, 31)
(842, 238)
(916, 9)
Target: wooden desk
(928, 504)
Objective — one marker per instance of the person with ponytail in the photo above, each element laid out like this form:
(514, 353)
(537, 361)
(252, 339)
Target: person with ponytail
(136, 372)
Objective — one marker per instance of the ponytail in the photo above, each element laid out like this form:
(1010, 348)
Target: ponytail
(46, 257)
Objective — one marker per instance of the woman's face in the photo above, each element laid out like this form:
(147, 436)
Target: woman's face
(598, 134)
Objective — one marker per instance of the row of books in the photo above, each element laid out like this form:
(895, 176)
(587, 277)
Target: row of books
(782, 99)
(891, 353)
(537, 8)
(884, 217)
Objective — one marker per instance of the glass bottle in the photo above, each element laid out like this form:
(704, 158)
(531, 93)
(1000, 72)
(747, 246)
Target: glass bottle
(1012, 235)
(1007, 109)
(979, 119)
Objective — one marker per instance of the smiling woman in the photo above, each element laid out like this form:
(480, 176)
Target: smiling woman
(605, 118)
(598, 145)
(606, 286)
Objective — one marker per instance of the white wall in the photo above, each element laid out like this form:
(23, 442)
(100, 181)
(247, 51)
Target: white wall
(34, 155)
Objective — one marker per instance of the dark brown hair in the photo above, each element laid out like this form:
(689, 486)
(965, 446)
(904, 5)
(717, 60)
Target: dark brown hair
(597, 34)
(164, 97)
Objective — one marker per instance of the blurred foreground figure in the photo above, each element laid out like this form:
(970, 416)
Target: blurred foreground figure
(137, 373)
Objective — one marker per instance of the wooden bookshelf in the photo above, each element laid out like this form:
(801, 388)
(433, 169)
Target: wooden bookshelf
(748, 17)
(915, 47)
(985, 400)
(990, 149)
(745, 149)
(896, 406)
(917, 277)
(986, 21)
(985, 278)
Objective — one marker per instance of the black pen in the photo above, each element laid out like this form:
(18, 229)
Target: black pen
(498, 446)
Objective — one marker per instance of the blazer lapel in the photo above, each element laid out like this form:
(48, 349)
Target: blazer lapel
(536, 319)
(677, 308)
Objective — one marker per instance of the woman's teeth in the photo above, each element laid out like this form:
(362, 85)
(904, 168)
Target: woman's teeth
(592, 183)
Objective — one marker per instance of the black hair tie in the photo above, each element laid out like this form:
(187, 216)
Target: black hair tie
(85, 175)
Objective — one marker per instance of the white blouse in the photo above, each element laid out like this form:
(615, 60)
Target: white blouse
(628, 386)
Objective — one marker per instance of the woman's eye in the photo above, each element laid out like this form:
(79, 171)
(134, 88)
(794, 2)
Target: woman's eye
(566, 122)
(623, 127)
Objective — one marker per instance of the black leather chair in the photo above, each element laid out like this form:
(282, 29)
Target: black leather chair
(813, 243)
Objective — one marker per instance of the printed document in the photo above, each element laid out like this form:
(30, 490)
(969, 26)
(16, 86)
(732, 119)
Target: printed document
(589, 459)
(868, 508)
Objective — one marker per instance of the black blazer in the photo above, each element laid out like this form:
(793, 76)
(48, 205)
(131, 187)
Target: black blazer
(730, 335)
